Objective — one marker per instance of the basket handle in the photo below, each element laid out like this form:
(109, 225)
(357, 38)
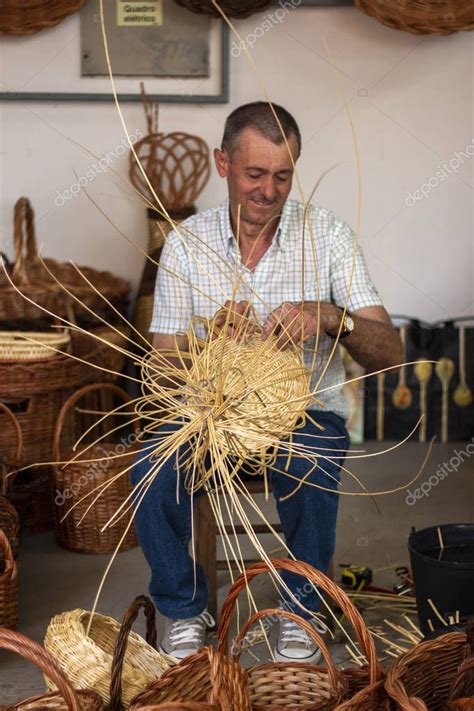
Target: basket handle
(121, 645)
(19, 444)
(332, 672)
(315, 576)
(23, 222)
(10, 563)
(72, 399)
(34, 652)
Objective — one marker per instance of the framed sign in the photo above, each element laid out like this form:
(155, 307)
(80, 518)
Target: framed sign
(183, 57)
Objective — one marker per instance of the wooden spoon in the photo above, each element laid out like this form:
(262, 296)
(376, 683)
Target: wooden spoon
(462, 396)
(423, 372)
(402, 396)
(444, 369)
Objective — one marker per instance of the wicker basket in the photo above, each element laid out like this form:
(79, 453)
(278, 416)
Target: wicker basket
(31, 16)
(232, 8)
(421, 679)
(33, 280)
(260, 689)
(79, 479)
(293, 686)
(8, 585)
(88, 659)
(16, 347)
(9, 523)
(437, 17)
(66, 698)
(205, 677)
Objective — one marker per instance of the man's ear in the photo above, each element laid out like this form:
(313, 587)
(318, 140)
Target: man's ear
(222, 162)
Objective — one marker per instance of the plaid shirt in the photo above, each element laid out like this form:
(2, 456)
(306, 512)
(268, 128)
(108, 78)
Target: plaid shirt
(201, 268)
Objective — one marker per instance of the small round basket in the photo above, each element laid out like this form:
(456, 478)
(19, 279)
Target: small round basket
(435, 17)
(66, 698)
(232, 8)
(110, 656)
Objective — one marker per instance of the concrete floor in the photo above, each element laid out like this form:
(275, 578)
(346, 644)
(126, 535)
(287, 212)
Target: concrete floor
(53, 580)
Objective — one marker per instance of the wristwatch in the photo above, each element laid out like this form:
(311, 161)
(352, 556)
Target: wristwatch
(347, 327)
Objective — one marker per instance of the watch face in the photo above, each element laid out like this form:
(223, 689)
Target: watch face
(349, 324)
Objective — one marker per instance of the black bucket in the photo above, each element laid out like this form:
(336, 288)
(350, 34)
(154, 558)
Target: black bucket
(443, 574)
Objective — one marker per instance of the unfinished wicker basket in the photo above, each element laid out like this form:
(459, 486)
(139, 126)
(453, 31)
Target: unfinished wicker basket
(77, 528)
(66, 698)
(8, 585)
(29, 275)
(205, 677)
(110, 656)
(232, 8)
(437, 17)
(31, 16)
(273, 685)
(421, 679)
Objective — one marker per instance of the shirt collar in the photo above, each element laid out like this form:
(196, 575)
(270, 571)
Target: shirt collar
(281, 234)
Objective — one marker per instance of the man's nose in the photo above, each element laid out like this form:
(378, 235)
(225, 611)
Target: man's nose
(267, 188)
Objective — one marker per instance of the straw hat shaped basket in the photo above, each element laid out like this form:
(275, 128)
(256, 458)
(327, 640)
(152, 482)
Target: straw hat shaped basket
(206, 677)
(8, 585)
(111, 659)
(421, 679)
(232, 8)
(78, 528)
(437, 17)
(30, 16)
(29, 275)
(288, 685)
(66, 698)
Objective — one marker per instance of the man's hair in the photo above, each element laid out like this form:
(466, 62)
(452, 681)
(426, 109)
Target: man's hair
(259, 116)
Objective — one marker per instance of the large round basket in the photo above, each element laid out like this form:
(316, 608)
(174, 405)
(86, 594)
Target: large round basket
(291, 685)
(33, 280)
(108, 657)
(436, 17)
(232, 8)
(66, 698)
(82, 509)
(30, 16)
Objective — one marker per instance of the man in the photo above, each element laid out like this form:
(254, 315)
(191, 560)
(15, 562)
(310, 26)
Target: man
(260, 240)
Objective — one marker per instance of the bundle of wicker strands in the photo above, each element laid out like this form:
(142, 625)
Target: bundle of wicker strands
(232, 8)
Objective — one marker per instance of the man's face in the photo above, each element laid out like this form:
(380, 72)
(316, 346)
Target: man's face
(259, 175)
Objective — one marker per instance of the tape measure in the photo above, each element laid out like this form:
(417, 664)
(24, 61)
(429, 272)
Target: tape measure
(355, 577)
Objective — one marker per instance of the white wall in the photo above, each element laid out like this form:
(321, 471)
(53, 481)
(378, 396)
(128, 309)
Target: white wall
(411, 99)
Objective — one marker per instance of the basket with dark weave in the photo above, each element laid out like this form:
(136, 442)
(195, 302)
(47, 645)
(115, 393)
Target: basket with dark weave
(66, 698)
(232, 8)
(283, 685)
(421, 679)
(76, 484)
(436, 17)
(32, 279)
(9, 523)
(30, 16)
(8, 585)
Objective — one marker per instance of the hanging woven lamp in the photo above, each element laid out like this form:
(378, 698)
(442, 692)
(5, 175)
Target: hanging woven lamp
(177, 165)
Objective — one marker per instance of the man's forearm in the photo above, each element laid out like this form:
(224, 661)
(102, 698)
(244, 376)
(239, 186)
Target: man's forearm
(373, 344)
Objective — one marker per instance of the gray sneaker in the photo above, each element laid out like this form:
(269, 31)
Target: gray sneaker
(294, 644)
(184, 637)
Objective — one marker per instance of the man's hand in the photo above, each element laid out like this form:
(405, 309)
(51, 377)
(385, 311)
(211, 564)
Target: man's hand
(295, 323)
(236, 316)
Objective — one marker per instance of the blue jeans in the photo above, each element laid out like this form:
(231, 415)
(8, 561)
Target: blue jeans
(308, 520)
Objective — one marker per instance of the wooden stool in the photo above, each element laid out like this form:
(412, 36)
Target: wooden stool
(205, 533)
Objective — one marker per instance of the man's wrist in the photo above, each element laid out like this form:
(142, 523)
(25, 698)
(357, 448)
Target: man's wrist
(343, 330)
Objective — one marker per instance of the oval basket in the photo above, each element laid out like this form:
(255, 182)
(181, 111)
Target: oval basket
(88, 659)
